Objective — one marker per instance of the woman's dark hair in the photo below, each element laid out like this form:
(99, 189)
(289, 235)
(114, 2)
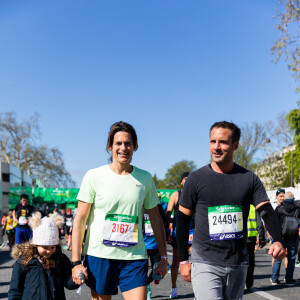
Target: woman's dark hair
(236, 132)
(121, 126)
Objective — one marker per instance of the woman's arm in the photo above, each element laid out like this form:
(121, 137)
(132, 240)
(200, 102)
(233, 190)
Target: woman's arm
(171, 204)
(79, 224)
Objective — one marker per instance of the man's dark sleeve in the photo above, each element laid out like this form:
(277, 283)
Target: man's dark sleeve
(182, 235)
(271, 220)
(259, 192)
(188, 198)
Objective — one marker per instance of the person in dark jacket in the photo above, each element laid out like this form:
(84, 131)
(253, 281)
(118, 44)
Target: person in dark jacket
(290, 243)
(41, 270)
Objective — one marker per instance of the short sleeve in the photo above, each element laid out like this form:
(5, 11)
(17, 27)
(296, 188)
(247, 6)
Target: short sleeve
(151, 199)
(86, 192)
(259, 192)
(188, 198)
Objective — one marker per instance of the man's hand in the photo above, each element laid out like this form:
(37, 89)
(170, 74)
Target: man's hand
(162, 268)
(170, 238)
(185, 271)
(75, 272)
(277, 251)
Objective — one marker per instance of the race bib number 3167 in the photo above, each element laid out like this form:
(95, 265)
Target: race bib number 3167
(120, 230)
(225, 222)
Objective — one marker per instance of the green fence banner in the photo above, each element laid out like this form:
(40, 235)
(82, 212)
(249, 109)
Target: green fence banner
(57, 196)
(165, 194)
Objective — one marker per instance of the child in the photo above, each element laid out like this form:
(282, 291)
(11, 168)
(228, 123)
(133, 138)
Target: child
(10, 229)
(42, 270)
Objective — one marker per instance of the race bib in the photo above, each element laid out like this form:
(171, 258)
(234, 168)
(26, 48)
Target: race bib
(10, 226)
(148, 228)
(120, 230)
(22, 220)
(69, 223)
(191, 235)
(225, 222)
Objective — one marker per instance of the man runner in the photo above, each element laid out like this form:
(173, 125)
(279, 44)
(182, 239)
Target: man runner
(21, 214)
(220, 194)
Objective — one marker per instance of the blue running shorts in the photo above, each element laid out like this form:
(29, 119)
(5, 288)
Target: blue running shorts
(22, 235)
(105, 275)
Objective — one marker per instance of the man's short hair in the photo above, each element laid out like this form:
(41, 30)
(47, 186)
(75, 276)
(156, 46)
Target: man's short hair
(24, 196)
(280, 191)
(289, 196)
(236, 131)
(184, 175)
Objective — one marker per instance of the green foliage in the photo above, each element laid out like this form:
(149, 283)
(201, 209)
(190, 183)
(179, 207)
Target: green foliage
(293, 119)
(296, 163)
(157, 182)
(172, 179)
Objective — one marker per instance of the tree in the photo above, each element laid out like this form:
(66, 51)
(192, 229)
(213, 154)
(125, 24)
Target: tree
(157, 182)
(288, 46)
(293, 119)
(172, 177)
(253, 139)
(18, 146)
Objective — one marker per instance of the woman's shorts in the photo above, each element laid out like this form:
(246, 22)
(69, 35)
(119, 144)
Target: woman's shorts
(104, 275)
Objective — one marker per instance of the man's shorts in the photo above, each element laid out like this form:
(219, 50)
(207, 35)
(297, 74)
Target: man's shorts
(215, 282)
(104, 275)
(68, 230)
(22, 235)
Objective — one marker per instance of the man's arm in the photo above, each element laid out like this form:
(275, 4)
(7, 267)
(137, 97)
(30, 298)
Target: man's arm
(159, 233)
(183, 223)
(273, 226)
(79, 224)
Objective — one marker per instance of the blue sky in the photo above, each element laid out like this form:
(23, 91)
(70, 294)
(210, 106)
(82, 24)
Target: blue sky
(170, 68)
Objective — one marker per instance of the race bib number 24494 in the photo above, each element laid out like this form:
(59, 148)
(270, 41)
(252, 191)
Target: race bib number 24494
(225, 222)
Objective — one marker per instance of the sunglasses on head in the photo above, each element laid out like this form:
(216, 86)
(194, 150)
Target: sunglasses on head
(279, 191)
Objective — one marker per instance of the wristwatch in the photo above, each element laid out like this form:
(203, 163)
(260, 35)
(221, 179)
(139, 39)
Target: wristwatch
(75, 263)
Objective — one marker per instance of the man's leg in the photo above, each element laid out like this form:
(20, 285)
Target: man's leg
(250, 272)
(139, 293)
(275, 270)
(235, 283)
(27, 234)
(18, 236)
(96, 296)
(208, 281)
(292, 247)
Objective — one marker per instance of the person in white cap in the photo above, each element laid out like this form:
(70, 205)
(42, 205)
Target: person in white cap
(41, 270)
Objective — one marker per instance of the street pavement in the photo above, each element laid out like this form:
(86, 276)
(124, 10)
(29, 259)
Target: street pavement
(262, 287)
